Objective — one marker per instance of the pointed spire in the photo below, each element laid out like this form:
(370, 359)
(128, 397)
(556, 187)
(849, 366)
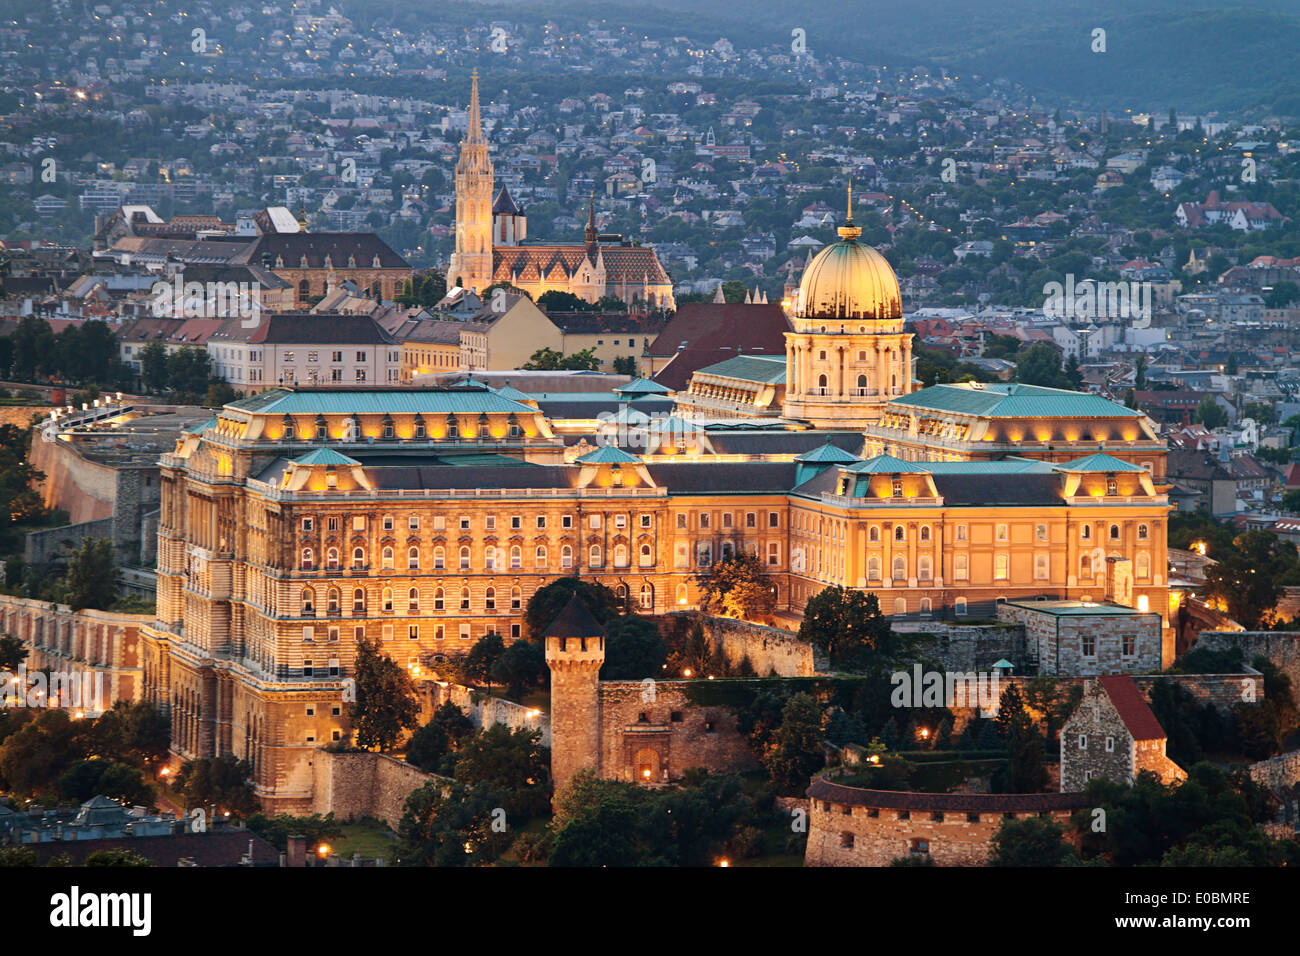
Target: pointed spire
(474, 133)
(591, 221)
(718, 297)
(848, 232)
(748, 300)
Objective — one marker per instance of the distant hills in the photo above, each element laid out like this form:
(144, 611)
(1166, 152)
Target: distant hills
(1194, 56)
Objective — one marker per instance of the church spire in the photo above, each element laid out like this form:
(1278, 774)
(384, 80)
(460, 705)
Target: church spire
(474, 134)
(848, 231)
(591, 222)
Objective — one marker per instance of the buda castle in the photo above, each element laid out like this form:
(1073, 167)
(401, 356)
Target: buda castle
(300, 521)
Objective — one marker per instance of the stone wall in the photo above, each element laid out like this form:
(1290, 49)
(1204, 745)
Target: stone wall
(52, 545)
(769, 649)
(362, 784)
(484, 711)
(1277, 773)
(1282, 648)
(971, 647)
(852, 826)
(84, 642)
(1056, 641)
(655, 735)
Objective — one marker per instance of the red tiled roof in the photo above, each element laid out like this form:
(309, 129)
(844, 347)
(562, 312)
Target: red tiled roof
(1133, 709)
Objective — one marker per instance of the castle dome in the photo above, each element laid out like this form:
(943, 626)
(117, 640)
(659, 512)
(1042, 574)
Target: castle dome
(849, 280)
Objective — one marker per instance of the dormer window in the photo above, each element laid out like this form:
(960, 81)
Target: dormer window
(898, 488)
(374, 263)
(453, 429)
(288, 428)
(419, 427)
(1112, 486)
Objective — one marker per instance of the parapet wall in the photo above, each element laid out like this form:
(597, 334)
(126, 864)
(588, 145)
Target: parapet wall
(484, 711)
(353, 785)
(771, 650)
(1282, 648)
(53, 544)
(80, 642)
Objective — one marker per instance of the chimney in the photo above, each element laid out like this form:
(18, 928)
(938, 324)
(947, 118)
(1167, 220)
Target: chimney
(297, 850)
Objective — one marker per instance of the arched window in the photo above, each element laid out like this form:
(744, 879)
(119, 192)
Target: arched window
(490, 558)
(900, 567)
(594, 556)
(386, 599)
(1085, 532)
(439, 599)
(308, 602)
(1143, 532)
(821, 385)
(516, 557)
(959, 607)
(873, 533)
(926, 606)
(923, 568)
(490, 599)
(332, 559)
(413, 601)
(439, 558)
(358, 558)
(1114, 532)
(308, 559)
(900, 605)
(358, 601)
(332, 601)
(413, 559)
(464, 558)
(647, 598)
(464, 599)
(925, 532)
(681, 594)
(620, 555)
(539, 556)
(873, 568)
(566, 557)
(1085, 566)
(516, 599)
(862, 385)
(647, 556)
(900, 533)
(387, 559)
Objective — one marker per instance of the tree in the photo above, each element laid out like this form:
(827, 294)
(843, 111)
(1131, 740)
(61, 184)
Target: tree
(1282, 295)
(153, 366)
(506, 287)
(1249, 577)
(189, 370)
(557, 300)
(1210, 414)
(548, 601)
(521, 665)
(106, 778)
(136, 732)
(1032, 841)
(92, 575)
(1140, 367)
(440, 736)
(477, 664)
(223, 783)
(634, 649)
(433, 289)
(625, 365)
(737, 586)
(219, 394)
(796, 750)
(386, 704)
(34, 348)
(1026, 771)
(120, 856)
(1040, 364)
(12, 653)
(596, 823)
(850, 627)
(451, 827)
(277, 829)
(513, 764)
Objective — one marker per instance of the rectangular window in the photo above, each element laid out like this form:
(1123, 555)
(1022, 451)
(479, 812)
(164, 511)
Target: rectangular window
(464, 631)
(1129, 645)
(566, 521)
(593, 522)
(489, 523)
(359, 523)
(1003, 532)
(961, 532)
(1110, 745)
(773, 553)
(1040, 532)
(308, 634)
(773, 519)
(1088, 645)
(307, 668)
(413, 632)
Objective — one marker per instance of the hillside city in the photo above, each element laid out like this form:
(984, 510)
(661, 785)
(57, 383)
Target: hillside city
(474, 438)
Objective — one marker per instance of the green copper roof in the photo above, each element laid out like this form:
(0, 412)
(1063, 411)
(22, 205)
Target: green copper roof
(1099, 462)
(827, 454)
(1014, 400)
(749, 368)
(460, 400)
(509, 391)
(889, 465)
(200, 427)
(608, 455)
(675, 424)
(643, 386)
(325, 456)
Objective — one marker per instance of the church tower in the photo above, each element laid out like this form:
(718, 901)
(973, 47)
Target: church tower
(471, 261)
(848, 355)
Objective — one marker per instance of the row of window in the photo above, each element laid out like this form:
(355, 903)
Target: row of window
(494, 559)
(1002, 532)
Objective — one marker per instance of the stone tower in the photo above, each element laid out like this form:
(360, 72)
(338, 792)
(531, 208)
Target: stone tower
(471, 261)
(575, 651)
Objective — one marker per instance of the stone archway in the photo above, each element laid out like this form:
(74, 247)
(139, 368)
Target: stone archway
(646, 765)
